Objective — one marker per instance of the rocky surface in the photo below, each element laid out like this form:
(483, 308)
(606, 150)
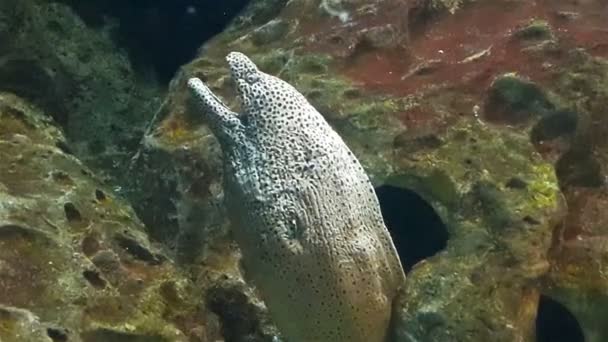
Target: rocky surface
(472, 117)
(579, 277)
(77, 265)
(491, 113)
(49, 56)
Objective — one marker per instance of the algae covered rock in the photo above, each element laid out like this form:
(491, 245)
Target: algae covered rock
(481, 286)
(578, 280)
(75, 262)
(485, 116)
(513, 100)
(77, 74)
(417, 130)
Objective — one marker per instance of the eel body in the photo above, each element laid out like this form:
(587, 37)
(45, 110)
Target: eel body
(303, 211)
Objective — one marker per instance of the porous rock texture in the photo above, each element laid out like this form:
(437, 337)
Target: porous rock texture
(492, 112)
(78, 74)
(461, 114)
(77, 265)
(579, 275)
(74, 259)
(76, 262)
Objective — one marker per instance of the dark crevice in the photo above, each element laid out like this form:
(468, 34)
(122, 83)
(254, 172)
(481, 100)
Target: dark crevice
(71, 212)
(158, 33)
(94, 278)
(580, 168)
(138, 251)
(415, 227)
(241, 318)
(555, 323)
(57, 334)
(554, 125)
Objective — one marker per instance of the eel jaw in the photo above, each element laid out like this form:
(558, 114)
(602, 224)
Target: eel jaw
(224, 123)
(244, 94)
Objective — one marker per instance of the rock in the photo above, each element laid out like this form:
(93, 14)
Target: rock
(554, 125)
(513, 100)
(77, 266)
(428, 100)
(577, 279)
(269, 32)
(23, 325)
(536, 30)
(243, 317)
(423, 132)
(446, 294)
(82, 79)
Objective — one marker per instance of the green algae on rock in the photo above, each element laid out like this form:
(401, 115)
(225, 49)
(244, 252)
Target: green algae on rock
(407, 93)
(78, 75)
(75, 262)
(490, 226)
(578, 276)
(432, 141)
(513, 100)
(536, 30)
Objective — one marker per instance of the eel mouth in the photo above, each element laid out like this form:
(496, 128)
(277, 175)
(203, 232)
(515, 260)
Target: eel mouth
(237, 84)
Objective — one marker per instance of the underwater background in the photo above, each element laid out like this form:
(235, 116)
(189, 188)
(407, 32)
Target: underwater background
(483, 126)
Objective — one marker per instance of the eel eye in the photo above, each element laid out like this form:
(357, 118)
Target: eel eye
(252, 78)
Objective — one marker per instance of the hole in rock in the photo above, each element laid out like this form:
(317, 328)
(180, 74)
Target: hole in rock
(90, 245)
(94, 278)
(100, 195)
(415, 227)
(57, 335)
(139, 252)
(237, 313)
(71, 212)
(159, 33)
(555, 323)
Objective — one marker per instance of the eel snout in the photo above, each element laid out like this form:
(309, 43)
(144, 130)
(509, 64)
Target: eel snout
(223, 122)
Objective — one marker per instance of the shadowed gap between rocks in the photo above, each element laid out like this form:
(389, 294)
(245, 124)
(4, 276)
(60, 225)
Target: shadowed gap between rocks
(57, 334)
(161, 34)
(415, 227)
(241, 319)
(555, 323)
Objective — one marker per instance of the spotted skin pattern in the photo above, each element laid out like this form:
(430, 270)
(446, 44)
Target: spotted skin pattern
(304, 212)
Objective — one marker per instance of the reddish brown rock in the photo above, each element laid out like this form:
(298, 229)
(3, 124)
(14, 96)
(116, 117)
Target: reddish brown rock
(578, 277)
(467, 105)
(461, 109)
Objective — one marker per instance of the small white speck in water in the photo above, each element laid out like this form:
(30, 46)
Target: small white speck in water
(192, 10)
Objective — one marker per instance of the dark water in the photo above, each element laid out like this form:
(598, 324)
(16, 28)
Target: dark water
(161, 34)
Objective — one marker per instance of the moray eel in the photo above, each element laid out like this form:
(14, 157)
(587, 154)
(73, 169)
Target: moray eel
(304, 212)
